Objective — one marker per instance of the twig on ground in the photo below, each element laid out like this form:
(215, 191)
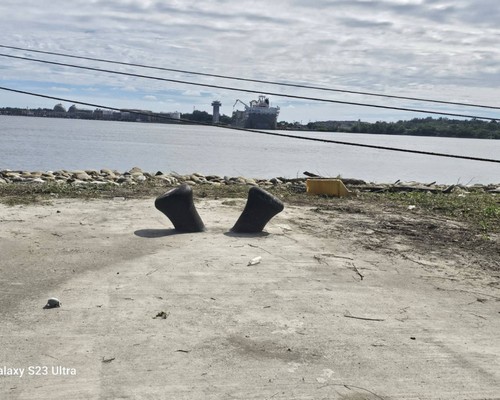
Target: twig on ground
(469, 291)
(347, 314)
(355, 269)
(336, 256)
(479, 316)
(152, 272)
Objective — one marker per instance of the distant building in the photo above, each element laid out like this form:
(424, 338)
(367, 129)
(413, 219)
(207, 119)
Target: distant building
(216, 113)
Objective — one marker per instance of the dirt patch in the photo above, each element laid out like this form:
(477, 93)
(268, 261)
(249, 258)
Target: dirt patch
(384, 226)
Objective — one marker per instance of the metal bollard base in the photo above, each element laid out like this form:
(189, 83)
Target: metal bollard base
(177, 204)
(261, 206)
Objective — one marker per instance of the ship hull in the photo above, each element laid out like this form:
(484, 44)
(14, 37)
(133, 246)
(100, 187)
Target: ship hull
(255, 121)
(261, 121)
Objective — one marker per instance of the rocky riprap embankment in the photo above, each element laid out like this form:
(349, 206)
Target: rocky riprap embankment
(136, 176)
(132, 177)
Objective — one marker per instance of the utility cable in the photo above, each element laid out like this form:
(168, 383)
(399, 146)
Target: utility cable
(251, 91)
(160, 116)
(294, 85)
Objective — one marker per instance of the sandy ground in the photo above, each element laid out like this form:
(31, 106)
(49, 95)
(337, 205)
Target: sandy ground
(336, 309)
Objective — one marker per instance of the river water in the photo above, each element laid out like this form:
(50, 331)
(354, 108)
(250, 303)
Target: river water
(29, 143)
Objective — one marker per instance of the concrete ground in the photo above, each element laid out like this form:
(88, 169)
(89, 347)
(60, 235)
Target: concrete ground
(332, 311)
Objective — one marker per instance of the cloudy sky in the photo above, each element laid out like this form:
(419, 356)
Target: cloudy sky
(438, 49)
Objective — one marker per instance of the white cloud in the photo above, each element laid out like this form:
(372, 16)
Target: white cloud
(60, 89)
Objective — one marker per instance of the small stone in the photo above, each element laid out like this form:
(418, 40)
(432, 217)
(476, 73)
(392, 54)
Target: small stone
(164, 178)
(195, 178)
(161, 315)
(212, 178)
(83, 176)
(52, 303)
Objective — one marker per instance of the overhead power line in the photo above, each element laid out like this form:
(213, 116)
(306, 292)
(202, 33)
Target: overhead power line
(160, 116)
(290, 96)
(267, 82)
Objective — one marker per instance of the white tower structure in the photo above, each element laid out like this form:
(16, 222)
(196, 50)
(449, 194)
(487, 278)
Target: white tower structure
(215, 116)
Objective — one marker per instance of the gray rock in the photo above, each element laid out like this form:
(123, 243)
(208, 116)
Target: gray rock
(52, 303)
(140, 178)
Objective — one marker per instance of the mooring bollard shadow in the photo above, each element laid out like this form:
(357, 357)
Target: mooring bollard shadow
(246, 234)
(155, 233)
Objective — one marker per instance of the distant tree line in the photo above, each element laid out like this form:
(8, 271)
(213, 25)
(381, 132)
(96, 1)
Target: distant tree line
(440, 127)
(203, 116)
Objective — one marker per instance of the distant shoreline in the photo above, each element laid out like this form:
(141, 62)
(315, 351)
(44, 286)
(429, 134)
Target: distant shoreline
(425, 127)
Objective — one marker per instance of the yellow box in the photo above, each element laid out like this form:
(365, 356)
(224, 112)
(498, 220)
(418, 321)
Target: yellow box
(330, 187)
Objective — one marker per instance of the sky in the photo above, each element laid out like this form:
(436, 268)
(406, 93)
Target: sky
(435, 49)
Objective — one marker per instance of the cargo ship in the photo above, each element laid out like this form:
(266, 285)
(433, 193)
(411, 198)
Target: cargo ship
(258, 114)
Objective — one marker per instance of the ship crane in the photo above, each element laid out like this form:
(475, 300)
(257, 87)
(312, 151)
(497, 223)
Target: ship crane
(238, 100)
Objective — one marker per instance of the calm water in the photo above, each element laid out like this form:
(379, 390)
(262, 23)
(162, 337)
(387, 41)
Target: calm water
(52, 144)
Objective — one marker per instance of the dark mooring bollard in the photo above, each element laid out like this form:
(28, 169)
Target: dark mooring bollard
(260, 208)
(177, 204)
